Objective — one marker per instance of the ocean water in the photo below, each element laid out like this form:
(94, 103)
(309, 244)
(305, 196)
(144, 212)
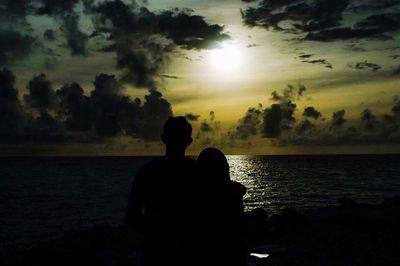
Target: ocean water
(42, 198)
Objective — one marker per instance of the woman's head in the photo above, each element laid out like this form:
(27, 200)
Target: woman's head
(214, 163)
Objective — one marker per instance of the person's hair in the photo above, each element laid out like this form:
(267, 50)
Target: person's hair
(177, 130)
(215, 164)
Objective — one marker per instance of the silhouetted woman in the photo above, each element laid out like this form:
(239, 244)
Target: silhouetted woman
(222, 229)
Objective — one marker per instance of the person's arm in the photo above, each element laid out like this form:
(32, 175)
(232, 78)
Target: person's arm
(135, 210)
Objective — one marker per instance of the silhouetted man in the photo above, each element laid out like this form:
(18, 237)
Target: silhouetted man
(162, 197)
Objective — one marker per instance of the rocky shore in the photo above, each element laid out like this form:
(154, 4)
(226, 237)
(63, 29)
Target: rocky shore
(347, 234)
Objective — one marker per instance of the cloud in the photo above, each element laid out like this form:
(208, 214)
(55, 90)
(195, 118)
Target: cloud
(49, 35)
(170, 76)
(192, 117)
(190, 31)
(12, 116)
(338, 118)
(311, 112)
(304, 127)
(249, 125)
(323, 20)
(304, 15)
(252, 45)
(51, 7)
(396, 71)
(41, 94)
(278, 123)
(155, 111)
(305, 56)
(76, 117)
(365, 65)
(318, 62)
(142, 62)
(205, 127)
(368, 119)
(77, 40)
(75, 108)
(288, 94)
(346, 33)
(44, 129)
(14, 46)
(143, 40)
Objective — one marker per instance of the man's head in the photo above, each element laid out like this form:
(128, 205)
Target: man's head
(177, 134)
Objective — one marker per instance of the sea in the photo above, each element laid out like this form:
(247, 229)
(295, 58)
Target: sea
(46, 197)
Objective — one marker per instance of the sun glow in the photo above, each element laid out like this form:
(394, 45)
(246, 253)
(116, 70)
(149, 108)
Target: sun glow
(226, 58)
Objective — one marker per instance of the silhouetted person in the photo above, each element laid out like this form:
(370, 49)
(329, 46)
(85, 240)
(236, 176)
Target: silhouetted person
(223, 212)
(161, 202)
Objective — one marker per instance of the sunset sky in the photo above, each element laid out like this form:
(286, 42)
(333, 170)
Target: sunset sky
(253, 77)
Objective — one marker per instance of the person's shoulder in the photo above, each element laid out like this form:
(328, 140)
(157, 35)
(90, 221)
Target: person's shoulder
(238, 188)
(189, 160)
(151, 165)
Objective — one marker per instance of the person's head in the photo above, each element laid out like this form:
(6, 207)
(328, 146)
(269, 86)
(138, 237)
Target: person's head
(214, 163)
(177, 134)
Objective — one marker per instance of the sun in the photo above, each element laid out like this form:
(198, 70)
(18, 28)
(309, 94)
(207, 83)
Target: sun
(226, 58)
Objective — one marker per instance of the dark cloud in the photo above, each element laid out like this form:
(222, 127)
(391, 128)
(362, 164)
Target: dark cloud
(170, 76)
(302, 89)
(54, 7)
(289, 93)
(209, 132)
(311, 112)
(155, 111)
(304, 15)
(278, 118)
(304, 56)
(206, 127)
(252, 45)
(387, 22)
(396, 71)
(190, 31)
(44, 129)
(75, 117)
(323, 20)
(142, 62)
(338, 118)
(140, 35)
(368, 119)
(75, 108)
(345, 33)
(365, 65)
(142, 39)
(49, 35)
(304, 127)
(278, 123)
(14, 7)
(192, 117)
(354, 47)
(12, 116)
(106, 103)
(14, 46)
(272, 121)
(396, 106)
(318, 62)
(41, 94)
(76, 39)
(212, 116)
(249, 125)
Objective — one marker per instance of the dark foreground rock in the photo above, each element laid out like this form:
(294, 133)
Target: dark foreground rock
(348, 234)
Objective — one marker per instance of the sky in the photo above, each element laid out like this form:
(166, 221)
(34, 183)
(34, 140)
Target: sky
(80, 77)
